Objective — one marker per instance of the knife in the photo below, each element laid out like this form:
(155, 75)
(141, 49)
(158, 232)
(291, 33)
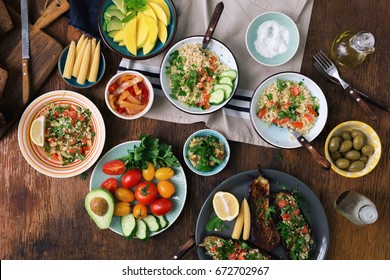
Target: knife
(25, 51)
(320, 159)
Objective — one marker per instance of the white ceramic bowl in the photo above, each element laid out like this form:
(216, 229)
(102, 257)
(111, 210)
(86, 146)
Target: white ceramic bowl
(279, 136)
(223, 53)
(283, 20)
(203, 133)
(148, 85)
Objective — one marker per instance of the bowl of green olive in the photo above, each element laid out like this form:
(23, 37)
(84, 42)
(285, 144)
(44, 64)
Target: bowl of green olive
(353, 148)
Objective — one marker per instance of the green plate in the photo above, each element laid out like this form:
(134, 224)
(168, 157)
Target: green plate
(178, 180)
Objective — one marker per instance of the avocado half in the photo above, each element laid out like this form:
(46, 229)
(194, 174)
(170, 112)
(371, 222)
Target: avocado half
(99, 204)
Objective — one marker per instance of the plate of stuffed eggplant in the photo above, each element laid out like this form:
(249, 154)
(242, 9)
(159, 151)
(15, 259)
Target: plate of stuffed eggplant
(287, 220)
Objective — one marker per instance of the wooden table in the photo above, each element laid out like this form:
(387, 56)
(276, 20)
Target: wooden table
(44, 218)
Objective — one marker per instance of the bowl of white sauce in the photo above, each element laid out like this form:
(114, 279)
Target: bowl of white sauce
(272, 38)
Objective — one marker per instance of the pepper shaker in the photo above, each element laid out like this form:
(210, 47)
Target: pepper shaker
(356, 207)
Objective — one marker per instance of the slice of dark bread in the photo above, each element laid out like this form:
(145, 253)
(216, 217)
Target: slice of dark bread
(5, 20)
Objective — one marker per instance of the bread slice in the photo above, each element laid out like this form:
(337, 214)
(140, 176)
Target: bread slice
(5, 20)
(3, 79)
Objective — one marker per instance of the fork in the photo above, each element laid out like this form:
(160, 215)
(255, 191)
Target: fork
(328, 67)
(364, 96)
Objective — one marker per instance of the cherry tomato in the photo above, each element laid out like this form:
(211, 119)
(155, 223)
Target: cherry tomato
(131, 178)
(165, 188)
(114, 167)
(262, 112)
(286, 217)
(284, 120)
(311, 110)
(148, 173)
(305, 229)
(295, 90)
(146, 192)
(164, 173)
(140, 211)
(110, 184)
(309, 117)
(122, 208)
(125, 195)
(297, 124)
(161, 206)
(282, 203)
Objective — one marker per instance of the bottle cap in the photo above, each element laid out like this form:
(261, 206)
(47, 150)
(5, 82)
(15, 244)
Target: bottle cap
(368, 214)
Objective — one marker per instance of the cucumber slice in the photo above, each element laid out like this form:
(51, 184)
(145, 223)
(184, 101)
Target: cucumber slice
(129, 225)
(217, 97)
(232, 74)
(142, 231)
(226, 80)
(163, 221)
(226, 88)
(152, 223)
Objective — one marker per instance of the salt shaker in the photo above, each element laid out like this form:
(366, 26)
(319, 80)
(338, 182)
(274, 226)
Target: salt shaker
(356, 207)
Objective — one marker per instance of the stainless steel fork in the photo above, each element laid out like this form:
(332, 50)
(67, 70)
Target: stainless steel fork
(328, 67)
(363, 95)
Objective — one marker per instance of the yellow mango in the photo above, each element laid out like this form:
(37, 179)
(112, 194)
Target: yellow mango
(160, 14)
(142, 30)
(162, 32)
(119, 36)
(152, 29)
(121, 43)
(130, 36)
(164, 6)
(150, 13)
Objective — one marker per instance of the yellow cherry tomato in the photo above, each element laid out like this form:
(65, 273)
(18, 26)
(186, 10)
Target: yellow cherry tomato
(165, 189)
(140, 211)
(122, 208)
(124, 195)
(164, 173)
(148, 173)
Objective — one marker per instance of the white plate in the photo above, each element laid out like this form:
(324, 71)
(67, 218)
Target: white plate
(178, 180)
(223, 53)
(279, 136)
(35, 155)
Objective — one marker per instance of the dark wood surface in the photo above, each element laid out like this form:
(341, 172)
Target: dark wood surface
(44, 218)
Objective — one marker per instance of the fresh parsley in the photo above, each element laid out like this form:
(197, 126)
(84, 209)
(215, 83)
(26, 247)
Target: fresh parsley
(281, 84)
(135, 5)
(150, 150)
(216, 224)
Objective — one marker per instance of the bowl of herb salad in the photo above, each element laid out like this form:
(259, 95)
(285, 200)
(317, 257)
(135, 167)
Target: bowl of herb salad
(199, 81)
(206, 152)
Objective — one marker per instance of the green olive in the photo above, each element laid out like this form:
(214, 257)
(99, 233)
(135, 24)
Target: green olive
(367, 150)
(334, 144)
(352, 155)
(358, 142)
(335, 155)
(364, 158)
(356, 166)
(346, 135)
(357, 132)
(345, 146)
(342, 163)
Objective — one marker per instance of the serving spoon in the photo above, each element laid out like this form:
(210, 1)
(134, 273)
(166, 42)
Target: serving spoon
(213, 23)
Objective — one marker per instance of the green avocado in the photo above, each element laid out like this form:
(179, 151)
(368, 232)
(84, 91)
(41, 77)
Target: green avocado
(99, 204)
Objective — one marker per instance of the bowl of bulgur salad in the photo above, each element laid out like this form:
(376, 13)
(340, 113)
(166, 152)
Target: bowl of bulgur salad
(206, 152)
(71, 134)
(288, 101)
(199, 81)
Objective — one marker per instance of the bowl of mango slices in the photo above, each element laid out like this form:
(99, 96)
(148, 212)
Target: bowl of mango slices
(137, 29)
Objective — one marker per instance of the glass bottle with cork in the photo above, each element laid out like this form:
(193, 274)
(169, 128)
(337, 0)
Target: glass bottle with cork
(350, 49)
(356, 207)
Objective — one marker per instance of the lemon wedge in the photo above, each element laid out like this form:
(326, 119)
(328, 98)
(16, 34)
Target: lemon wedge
(37, 131)
(226, 206)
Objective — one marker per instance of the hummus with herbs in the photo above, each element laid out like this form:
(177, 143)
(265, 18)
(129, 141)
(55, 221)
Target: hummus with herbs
(206, 152)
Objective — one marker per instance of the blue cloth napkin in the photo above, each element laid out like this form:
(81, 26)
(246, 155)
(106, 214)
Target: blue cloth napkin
(83, 14)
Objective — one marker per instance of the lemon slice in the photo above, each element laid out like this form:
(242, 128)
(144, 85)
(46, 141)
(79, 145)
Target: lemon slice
(226, 206)
(37, 131)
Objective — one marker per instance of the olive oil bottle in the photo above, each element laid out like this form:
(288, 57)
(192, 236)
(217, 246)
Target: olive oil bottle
(350, 49)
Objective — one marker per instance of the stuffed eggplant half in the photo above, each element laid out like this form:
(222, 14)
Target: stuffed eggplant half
(228, 249)
(293, 227)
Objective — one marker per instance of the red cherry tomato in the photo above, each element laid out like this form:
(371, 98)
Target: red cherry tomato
(146, 192)
(282, 203)
(131, 178)
(161, 206)
(114, 167)
(110, 184)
